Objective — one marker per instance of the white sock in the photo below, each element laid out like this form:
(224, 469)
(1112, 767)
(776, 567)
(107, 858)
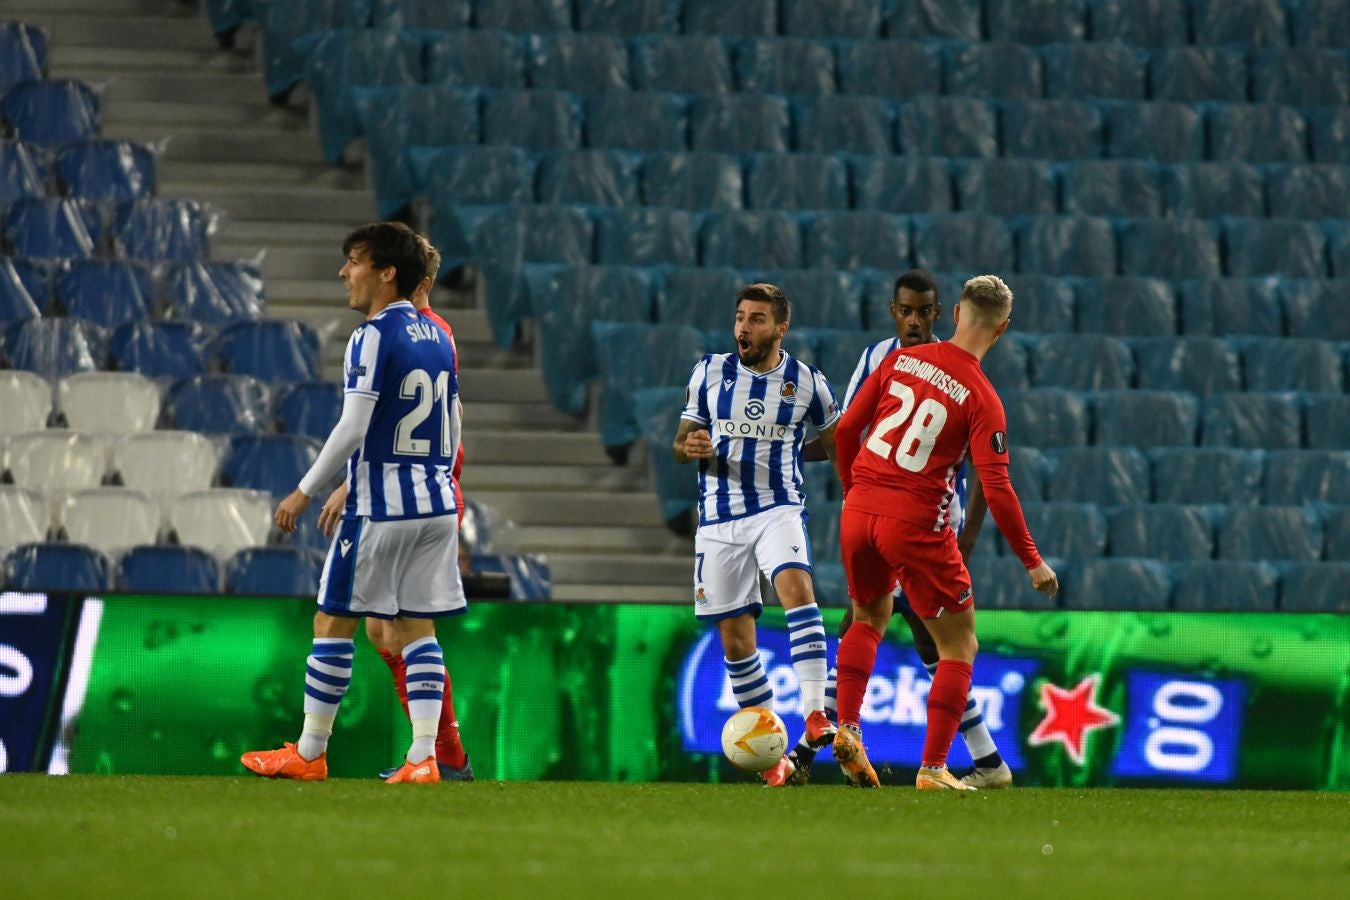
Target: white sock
(425, 667)
(806, 633)
(328, 674)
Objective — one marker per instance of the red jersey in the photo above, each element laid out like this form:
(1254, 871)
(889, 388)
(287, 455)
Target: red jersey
(923, 410)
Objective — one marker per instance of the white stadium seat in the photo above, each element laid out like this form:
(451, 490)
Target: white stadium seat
(111, 519)
(109, 402)
(23, 516)
(165, 464)
(56, 460)
(26, 400)
(222, 520)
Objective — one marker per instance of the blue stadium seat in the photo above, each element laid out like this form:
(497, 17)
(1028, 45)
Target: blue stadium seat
(748, 17)
(1307, 476)
(556, 234)
(1163, 132)
(691, 64)
(411, 14)
(847, 124)
(1292, 364)
(959, 19)
(1271, 533)
(163, 230)
(839, 353)
(1037, 21)
(1082, 362)
(215, 292)
(218, 404)
(647, 237)
(628, 16)
(1042, 303)
(274, 572)
(1321, 23)
(1170, 248)
(1045, 418)
(633, 357)
(822, 527)
(1251, 421)
(901, 184)
(398, 120)
(1339, 251)
(577, 62)
(1118, 584)
(856, 240)
(999, 70)
(1166, 531)
(1107, 187)
(1071, 530)
(1066, 245)
(1007, 364)
(739, 123)
(784, 66)
(525, 15)
(1052, 129)
(1301, 77)
(636, 121)
(23, 53)
(1309, 191)
(52, 227)
(657, 410)
(1145, 307)
(831, 299)
(1246, 23)
(1226, 586)
(22, 172)
(695, 297)
(1316, 587)
(584, 177)
(1191, 475)
(797, 181)
(1257, 132)
(309, 409)
(284, 27)
(1145, 419)
(1231, 306)
(482, 176)
(168, 569)
(695, 181)
(106, 170)
(105, 292)
(1094, 71)
(535, 120)
(1209, 190)
(957, 242)
(1006, 187)
(891, 68)
(1325, 417)
(1274, 247)
(1140, 23)
(1200, 365)
(1330, 134)
(274, 463)
(750, 239)
(1198, 74)
(54, 348)
(1026, 468)
(948, 126)
(1337, 521)
(274, 350)
(172, 350)
(842, 18)
(1001, 583)
(1107, 476)
(50, 567)
(478, 58)
(51, 113)
(16, 300)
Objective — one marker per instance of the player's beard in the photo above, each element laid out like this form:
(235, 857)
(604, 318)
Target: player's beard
(754, 353)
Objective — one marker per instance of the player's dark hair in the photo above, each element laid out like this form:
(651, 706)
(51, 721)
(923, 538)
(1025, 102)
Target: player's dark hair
(920, 281)
(391, 244)
(768, 293)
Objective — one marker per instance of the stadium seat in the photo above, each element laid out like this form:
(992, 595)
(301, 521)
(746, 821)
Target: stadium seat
(1227, 586)
(1002, 583)
(1071, 530)
(959, 242)
(633, 357)
(647, 237)
(958, 19)
(108, 403)
(1211, 190)
(820, 299)
(55, 460)
(843, 19)
(104, 292)
(479, 176)
(1337, 521)
(1315, 587)
(1129, 188)
(1026, 467)
(696, 297)
(890, 68)
(1158, 131)
(274, 463)
(582, 177)
(1271, 533)
(54, 348)
(24, 517)
(750, 239)
(1258, 133)
(1139, 23)
(52, 227)
(1165, 531)
(1274, 247)
(1045, 418)
(1084, 362)
(784, 66)
(1199, 475)
(1145, 307)
(51, 113)
(1198, 74)
(901, 184)
(23, 53)
(215, 292)
(748, 17)
(1307, 477)
(534, 120)
(1042, 303)
(1139, 418)
(1118, 584)
(175, 231)
(1006, 187)
(1291, 364)
(171, 350)
(846, 124)
(30, 276)
(222, 520)
(482, 57)
(309, 409)
(1170, 248)
(1066, 245)
(525, 15)
(1252, 421)
(999, 70)
(110, 519)
(1308, 191)
(274, 572)
(1330, 134)
(1007, 364)
(105, 170)
(1248, 23)
(1321, 23)
(695, 181)
(399, 121)
(285, 25)
(838, 356)
(739, 123)
(1052, 129)
(822, 527)
(1107, 476)
(1340, 252)
(1324, 417)
(26, 399)
(165, 464)
(948, 126)
(49, 567)
(857, 240)
(1301, 77)
(274, 350)
(588, 63)
(218, 404)
(630, 17)
(556, 234)
(1231, 306)
(632, 120)
(690, 64)
(1200, 365)
(412, 14)
(168, 570)
(797, 181)
(22, 171)
(1037, 21)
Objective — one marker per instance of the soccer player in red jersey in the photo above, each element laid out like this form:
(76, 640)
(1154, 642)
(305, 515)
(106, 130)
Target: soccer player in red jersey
(922, 411)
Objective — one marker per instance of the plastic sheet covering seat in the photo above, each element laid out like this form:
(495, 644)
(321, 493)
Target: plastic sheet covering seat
(1337, 522)
(480, 57)
(828, 299)
(1139, 23)
(1292, 364)
(751, 239)
(785, 65)
(845, 18)
(1073, 530)
(222, 520)
(1041, 303)
(476, 176)
(1052, 129)
(1199, 365)
(1248, 23)
(647, 237)
(1301, 77)
(274, 350)
(1326, 421)
(50, 567)
(215, 292)
(526, 15)
(1257, 132)
(310, 409)
(1225, 586)
(1198, 475)
(284, 25)
(1198, 74)
(1330, 134)
(855, 240)
(1118, 584)
(1307, 476)
(999, 70)
(16, 301)
(739, 123)
(1001, 582)
(1271, 533)
(658, 414)
(1315, 309)
(218, 404)
(168, 569)
(892, 68)
(798, 181)
(1315, 587)
(1107, 476)
(274, 463)
(822, 525)
(633, 357)
(52, 227)
(398, 121)
(23, 53)
(105, 292)
(695, 297)
(24, 517)
(747, 17)
(628, 16)
(1164, 132)
(1274, 247)
(1253, 421)
(1006, 187)
(108, 403)
(274, 572)
(1102, 187)
(577, 62)
(1166, 531)
(634, 120)
(1321, 23)
(901, 184)
(1026, 468)
(1037, 21)
(562, 297)
(164, 230)
(53, 348)
(960, 242)
(692, 64)
(1231, 306)
(106, 170)
(948, 126)
(1007, 363)
(170, 350)
(1127, 306)
(1209, 190)
(26, 399)
(22, 172)
(582, 177)
(534, 120)
(1309, 191)
(51, 113)
(1145, 418)
(110, 519)
(400, 14)
(1066, 245)
(55, 460)
(165, 464)
(696, 181)
(1048, 417)
(839, 353)
(1084, 362)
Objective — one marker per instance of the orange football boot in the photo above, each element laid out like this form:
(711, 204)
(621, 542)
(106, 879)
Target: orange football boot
(852, 758)
(424, 772)
(286, 763)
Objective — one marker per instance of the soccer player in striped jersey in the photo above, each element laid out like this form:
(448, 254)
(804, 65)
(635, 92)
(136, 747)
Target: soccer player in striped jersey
(744, 421)
(916, 306)
(395, 553)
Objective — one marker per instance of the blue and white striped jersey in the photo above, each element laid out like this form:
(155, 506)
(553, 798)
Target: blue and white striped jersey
(402, 468)
(758, 424)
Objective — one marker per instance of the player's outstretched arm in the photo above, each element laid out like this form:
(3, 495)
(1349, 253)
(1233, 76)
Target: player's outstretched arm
(976, 507)
(692, 441)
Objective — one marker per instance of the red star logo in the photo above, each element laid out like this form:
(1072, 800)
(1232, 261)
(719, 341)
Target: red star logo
(1070, 715)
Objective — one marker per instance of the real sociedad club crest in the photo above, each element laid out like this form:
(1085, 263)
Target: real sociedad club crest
(788, 392)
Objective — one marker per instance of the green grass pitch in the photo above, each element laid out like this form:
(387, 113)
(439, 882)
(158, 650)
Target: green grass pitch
(103, 836)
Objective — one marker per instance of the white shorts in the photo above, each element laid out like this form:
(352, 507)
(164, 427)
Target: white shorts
(729, 557)
(404, 567)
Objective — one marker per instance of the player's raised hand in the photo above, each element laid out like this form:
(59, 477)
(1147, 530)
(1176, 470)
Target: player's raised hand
(290, 510)
(1044, 579)
(698, 444)
(331, 513)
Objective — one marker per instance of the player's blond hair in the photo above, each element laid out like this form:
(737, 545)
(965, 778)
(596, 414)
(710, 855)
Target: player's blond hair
(433, 258)
(989, 298)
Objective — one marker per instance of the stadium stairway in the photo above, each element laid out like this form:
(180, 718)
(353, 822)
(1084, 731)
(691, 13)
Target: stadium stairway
(163, 76)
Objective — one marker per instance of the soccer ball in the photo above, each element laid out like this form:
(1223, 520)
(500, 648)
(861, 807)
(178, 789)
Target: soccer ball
(754, 739)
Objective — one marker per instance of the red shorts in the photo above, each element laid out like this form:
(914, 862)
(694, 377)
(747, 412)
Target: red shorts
(880, 550)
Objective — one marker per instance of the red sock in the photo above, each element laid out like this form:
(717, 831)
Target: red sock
(448, 748)
(400, 672)
(946, 705)
(854, 661)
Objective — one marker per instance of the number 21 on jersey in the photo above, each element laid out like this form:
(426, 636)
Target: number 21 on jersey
(916, 444)
(418, 383)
